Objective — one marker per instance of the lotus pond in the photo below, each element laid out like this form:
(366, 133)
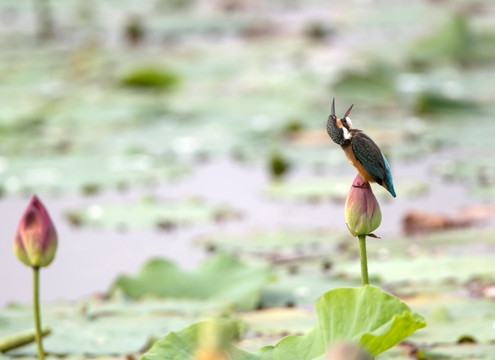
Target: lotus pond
(180, 148)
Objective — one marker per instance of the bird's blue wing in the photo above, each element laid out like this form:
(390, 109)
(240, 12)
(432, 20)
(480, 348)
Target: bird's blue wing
(374, 162)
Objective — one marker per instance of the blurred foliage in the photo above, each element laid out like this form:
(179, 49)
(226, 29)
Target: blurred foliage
(478, 174)
(321, 189)
(164, 5)
(276, 245)
(135, 32)
(424, 269)
(455, 42)
(151, 213)
(375, 82)
(278, 165)
(453, 320)
(246, 102)
(434, 103)
(318, 31)
(293, 126)
(300, 284)
(82, 173)
(463, 351)
(150, 77)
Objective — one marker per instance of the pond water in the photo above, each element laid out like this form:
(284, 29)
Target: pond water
(89, 259)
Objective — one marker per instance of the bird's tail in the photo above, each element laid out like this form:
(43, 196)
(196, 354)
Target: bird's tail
(389, 185)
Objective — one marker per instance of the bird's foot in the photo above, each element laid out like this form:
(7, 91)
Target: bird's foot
(364, 185)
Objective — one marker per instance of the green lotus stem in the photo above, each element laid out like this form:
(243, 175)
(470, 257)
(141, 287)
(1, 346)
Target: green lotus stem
(364, 259)
(36, 304)
(20, 339)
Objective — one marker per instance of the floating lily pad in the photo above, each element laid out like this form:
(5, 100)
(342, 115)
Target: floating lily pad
(220, 278)
(448, 243)
(186, 308)
(395, 353)
(150, 212)
(478, 173)
(279, 246)
(279, 321)
(91, 327)
(461, 352)
(453, 320)
(425, 269)
(301, 289)
(81, 174)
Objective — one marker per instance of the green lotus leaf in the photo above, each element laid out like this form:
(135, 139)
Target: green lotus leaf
(222, 277)
(366, 315)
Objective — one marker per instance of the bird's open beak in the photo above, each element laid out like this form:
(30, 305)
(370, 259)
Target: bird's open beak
(348, 112)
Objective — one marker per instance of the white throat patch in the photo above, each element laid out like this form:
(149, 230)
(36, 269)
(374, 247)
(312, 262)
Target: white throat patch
(347, 136)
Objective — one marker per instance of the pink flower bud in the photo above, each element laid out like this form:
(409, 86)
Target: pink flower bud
(362, 211)
(347, 351)
(35, 242)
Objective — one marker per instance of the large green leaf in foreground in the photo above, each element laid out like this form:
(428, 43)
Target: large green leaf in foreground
(366, 315)
(222, 277)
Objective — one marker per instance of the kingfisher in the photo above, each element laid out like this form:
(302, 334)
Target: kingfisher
(360, 150)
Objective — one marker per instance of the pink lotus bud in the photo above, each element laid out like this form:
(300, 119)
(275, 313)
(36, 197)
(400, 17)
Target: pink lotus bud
(347, 351)
(35, 242)
(362, 211)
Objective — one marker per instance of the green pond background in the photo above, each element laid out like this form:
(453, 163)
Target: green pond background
(183, 142)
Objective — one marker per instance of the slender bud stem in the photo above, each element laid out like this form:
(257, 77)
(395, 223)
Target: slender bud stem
(36, 304)
(364, 259)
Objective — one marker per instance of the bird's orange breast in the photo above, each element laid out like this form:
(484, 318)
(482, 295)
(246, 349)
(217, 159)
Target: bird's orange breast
(352, 159)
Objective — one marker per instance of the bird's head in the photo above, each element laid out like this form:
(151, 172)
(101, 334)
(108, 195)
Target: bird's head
(339, 128)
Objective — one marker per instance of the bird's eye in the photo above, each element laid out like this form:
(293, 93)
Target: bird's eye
(346, 122)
